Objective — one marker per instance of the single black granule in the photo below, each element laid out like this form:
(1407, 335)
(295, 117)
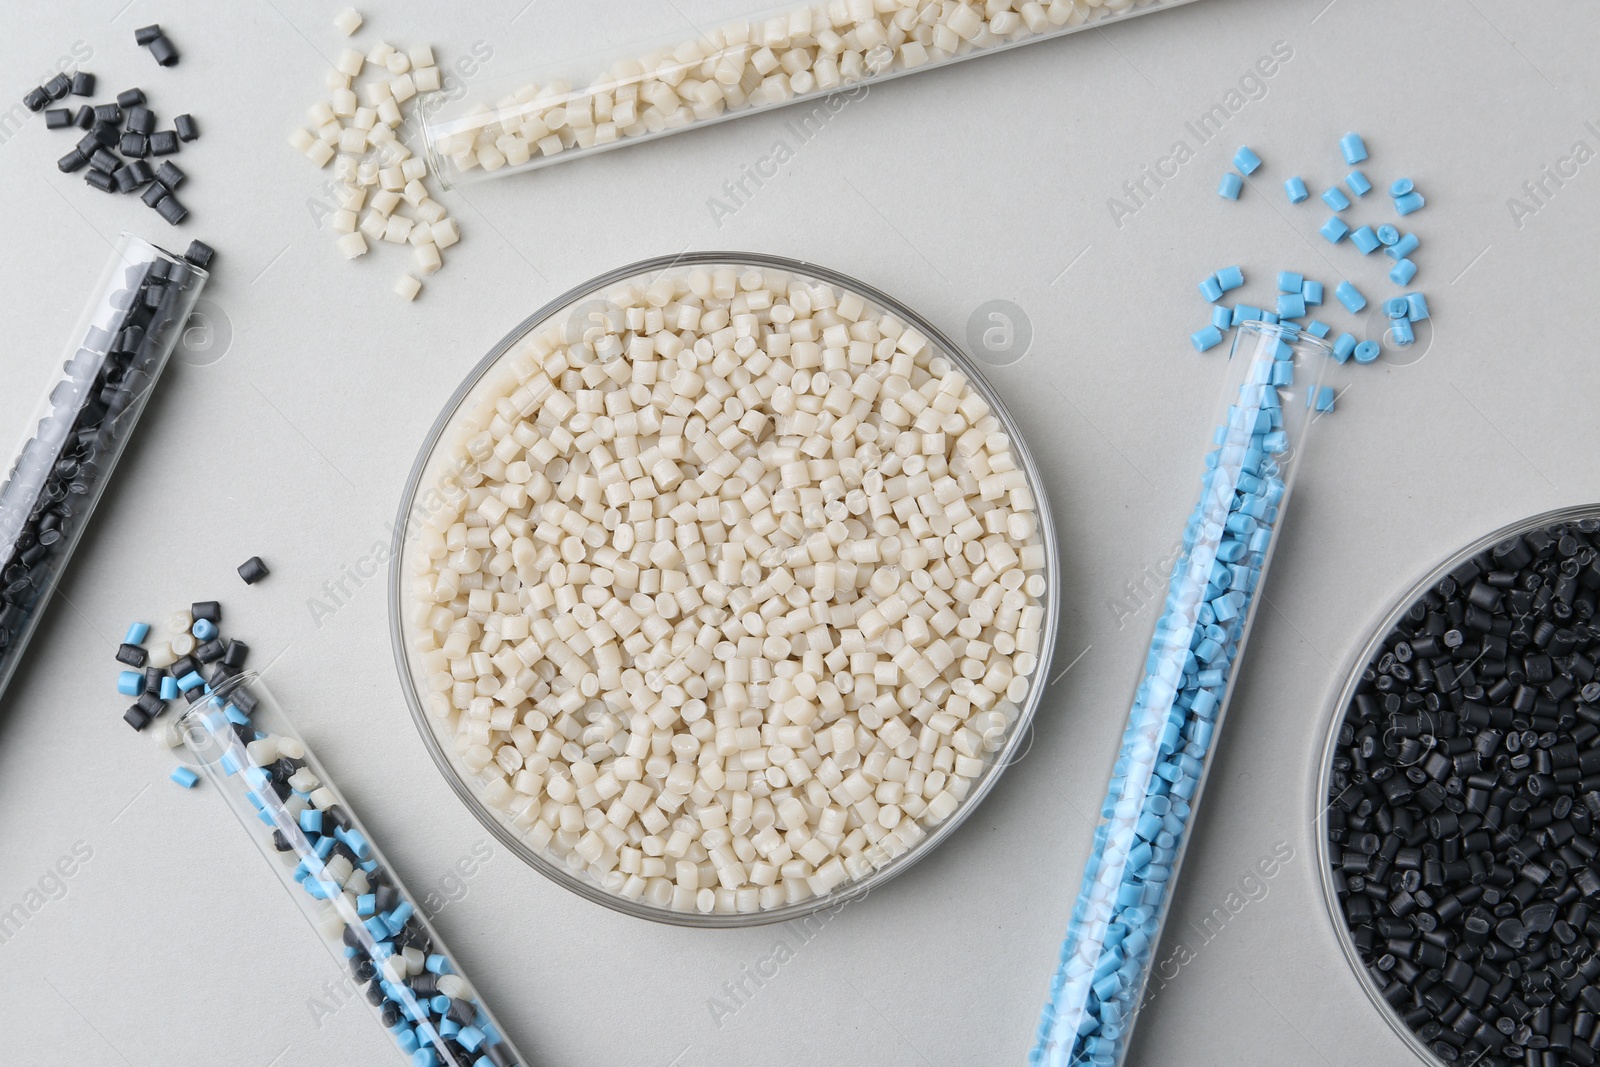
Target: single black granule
(164, 51)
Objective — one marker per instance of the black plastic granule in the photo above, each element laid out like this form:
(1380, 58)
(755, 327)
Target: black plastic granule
(164, 51)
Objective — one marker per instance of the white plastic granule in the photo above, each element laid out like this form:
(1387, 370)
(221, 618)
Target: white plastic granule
(347, 21)
(729, 590)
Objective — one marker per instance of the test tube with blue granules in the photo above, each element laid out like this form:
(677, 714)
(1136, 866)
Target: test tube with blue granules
(1178, 707)
(248, 750)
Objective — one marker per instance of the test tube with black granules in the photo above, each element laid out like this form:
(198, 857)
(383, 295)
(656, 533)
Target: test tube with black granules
(87, 417)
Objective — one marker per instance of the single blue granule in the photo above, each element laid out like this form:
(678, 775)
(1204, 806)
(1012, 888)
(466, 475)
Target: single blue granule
(1325, 398)
(1211, 289)
(1405, 205)
(1247, 161)
(1230, 186)
(137, 632)
(1318, 328)
(1295, 189)
(1402, 272)
(1417, 307)
(1366, 351)
(1335, 198)
(1334, 229)
(204, 629)
(1388, 235)
(1365, 240)
(1230, 278)
(1401, 186)
(1207, 338)
(398, 915)
(1353, 148)
(1221, 317)
(1291, 306)
(1246, 313)
(1350, 297)
(1290, 282)
(169, 688)
(355, 842)
(130, 683)
(1395, 307)
(184, 777)
(1344, 347)
(1402, 332)
(1357, 183)
(1402, 248)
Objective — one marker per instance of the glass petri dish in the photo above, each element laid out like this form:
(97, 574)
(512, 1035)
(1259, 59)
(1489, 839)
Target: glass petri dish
(1323, 779)
(489, 378)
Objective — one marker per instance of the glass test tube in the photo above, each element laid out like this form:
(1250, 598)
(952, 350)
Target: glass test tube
(123, 338)
(786, 55)
(1182, 695)
(324, 856)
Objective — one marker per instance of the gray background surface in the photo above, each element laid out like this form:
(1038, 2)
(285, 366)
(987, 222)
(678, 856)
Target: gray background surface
(289, 433)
